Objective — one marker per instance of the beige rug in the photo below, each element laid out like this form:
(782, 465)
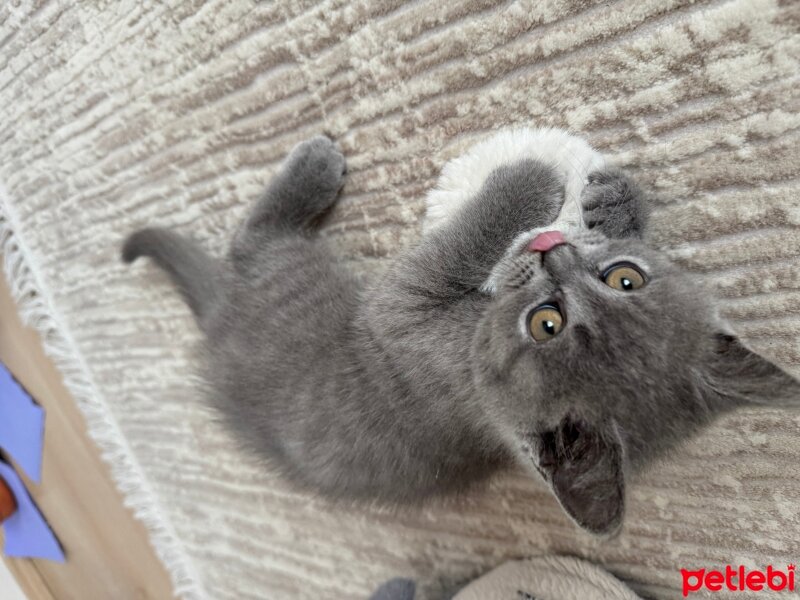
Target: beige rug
(119, 114)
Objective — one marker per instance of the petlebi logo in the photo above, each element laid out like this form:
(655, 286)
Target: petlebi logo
(738, 579)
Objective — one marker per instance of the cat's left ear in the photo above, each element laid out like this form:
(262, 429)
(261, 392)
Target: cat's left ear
(739, 375)
(583, 465)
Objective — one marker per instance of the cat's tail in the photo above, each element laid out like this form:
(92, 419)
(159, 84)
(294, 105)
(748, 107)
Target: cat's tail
(194, 273)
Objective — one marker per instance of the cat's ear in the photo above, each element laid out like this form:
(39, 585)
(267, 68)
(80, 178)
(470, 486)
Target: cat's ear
(583, 466)
(740, 376)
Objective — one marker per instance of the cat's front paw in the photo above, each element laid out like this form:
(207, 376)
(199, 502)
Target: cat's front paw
(318, 162)
(570, 157)
(612, 203)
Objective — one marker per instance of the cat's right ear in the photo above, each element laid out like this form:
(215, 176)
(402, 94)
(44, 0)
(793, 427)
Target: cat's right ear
(583, 465)
(740, 376)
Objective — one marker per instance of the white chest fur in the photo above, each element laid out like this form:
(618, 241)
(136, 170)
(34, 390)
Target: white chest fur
(572, 158)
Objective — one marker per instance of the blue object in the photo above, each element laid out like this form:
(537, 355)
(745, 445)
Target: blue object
(21, 426)
(26, 532)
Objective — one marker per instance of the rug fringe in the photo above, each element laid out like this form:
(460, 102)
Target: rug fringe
(37, 310)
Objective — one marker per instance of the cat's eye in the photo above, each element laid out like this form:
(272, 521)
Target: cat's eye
(624, 277)
(545, 322)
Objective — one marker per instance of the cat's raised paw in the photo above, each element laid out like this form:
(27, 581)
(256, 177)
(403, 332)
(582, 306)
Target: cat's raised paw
(318, 162)
(612, 202)
(571, 158)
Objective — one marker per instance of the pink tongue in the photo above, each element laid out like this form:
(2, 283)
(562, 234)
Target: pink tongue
(546, 241)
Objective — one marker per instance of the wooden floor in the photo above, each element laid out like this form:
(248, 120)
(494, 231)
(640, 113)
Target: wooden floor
(108, 553)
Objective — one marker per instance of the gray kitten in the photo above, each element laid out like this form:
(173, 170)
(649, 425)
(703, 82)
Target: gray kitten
(581, 353)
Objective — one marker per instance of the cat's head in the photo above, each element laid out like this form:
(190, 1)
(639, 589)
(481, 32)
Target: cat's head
(599, 354)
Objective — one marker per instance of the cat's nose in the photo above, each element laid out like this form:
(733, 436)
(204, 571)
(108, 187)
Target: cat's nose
(546, 241)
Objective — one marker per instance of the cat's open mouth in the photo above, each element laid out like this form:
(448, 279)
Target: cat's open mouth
(541, 239)
(546, 241)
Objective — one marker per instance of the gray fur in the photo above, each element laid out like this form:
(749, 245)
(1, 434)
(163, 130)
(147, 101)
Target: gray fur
(420, 383)
(614, 204)
(194, 273)
(396, 589)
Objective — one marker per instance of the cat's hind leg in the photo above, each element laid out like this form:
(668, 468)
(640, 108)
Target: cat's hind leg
(304, 189)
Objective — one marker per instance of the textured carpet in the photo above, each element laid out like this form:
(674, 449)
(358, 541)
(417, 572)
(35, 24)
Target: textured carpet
(115, 115)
